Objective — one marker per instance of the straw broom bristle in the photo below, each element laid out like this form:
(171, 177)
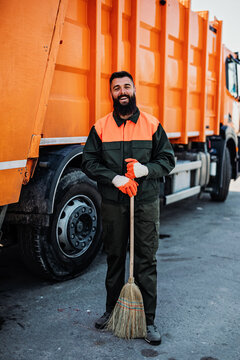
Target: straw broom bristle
(128, 318)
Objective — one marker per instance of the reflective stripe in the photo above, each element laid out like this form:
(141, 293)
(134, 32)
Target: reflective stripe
(193, 133)
(5, 165)
(63, 140)
(173, 135)
(209, 132)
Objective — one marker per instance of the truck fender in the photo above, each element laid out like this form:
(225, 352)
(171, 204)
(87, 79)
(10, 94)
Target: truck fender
(231, 141)
(226, 139)
(37, 197)
(218, 145)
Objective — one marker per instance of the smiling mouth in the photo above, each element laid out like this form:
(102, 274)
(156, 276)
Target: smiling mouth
(123, 98)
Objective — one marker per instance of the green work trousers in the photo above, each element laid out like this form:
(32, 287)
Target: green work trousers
(116, 226)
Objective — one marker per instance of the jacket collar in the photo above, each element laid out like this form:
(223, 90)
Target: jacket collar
(134, 118)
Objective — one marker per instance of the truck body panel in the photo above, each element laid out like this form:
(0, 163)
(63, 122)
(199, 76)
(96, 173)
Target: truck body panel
(176, 71)
(27, 33)
(154, 44)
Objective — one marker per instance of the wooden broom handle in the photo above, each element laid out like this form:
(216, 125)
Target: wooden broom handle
(131, 237)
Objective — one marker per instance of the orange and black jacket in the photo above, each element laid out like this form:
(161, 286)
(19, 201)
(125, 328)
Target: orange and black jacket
(112, 140)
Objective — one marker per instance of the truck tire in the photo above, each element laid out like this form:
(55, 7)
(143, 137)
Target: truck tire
(222, 193)
(73, 238)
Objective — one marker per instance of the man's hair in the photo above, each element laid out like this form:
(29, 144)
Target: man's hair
(120, 74)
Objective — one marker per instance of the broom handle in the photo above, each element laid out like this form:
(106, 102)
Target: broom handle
(131, 236)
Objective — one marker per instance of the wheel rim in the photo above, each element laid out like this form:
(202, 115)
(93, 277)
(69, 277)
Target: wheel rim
(76, 226)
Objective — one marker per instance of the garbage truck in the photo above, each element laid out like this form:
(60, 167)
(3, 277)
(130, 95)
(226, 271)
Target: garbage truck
(56, 60)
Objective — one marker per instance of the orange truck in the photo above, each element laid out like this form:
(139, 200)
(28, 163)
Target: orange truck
(56, 60)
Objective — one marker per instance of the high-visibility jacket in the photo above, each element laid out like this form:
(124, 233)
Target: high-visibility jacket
(112, 140)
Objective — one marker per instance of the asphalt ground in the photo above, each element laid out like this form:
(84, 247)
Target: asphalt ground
(198, 310)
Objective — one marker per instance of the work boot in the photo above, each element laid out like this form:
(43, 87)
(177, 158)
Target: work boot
(102, 321)
(153, 336)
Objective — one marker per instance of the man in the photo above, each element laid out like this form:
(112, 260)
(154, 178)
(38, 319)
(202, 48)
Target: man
(127, 152)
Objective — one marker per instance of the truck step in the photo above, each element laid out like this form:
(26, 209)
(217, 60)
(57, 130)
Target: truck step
(180, 195)
(185, 166)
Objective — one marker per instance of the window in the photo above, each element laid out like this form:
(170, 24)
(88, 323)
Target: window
(232, 83)
(238, 75)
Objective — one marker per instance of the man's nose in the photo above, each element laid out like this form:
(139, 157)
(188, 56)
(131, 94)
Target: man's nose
(123, 91)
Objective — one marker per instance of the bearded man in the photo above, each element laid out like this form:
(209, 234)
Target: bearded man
(127, 152)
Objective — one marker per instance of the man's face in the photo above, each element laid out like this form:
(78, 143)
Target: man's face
(123, 94)
(122, 89)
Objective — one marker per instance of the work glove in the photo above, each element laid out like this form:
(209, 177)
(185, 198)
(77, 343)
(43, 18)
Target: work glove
(135, 169)
(126, 185)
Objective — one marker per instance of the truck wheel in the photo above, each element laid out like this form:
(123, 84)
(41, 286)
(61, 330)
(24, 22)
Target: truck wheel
(222, 192)
(74, 237)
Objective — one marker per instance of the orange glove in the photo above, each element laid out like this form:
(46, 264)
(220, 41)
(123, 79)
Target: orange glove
(135, 169)
(126, 185)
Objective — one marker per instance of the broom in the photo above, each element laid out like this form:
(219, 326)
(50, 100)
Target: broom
(128, 318)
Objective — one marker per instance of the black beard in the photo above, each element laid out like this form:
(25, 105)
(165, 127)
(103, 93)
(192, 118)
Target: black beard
(127, 109)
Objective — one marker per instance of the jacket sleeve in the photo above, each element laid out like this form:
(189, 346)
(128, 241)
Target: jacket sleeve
(92, 163)
(163, 160)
